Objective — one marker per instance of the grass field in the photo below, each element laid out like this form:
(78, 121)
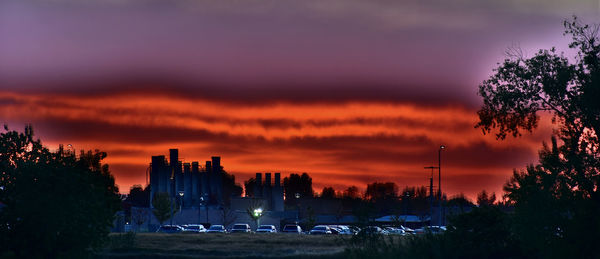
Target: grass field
(158, 245)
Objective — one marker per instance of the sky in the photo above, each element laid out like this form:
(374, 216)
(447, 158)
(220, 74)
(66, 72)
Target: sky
(348, 91)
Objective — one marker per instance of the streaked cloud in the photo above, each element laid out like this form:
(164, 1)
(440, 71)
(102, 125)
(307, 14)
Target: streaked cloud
(338, 143)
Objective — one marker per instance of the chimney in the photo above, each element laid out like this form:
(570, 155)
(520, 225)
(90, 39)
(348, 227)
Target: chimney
(277, 179)
(208, 167)
(216, 162)
(258, 186)
(268, 179)
(174, 155)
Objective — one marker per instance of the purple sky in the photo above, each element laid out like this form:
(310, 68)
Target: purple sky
(378, 49)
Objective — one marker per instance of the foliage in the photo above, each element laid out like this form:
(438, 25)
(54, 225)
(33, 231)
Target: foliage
(255, 211)
(557, 202)
(381, 191)
(484, 232)
(139, 216)
(249, 186)
(56, 204)
(351, 192)
(460, 201)
(483, 199)
(228, 216)
(301, 184)
(138, 196)
(328, 193)
(230, 188)
(163, 207)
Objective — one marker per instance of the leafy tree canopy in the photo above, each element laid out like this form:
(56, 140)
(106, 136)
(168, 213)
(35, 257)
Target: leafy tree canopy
(557, 202)
(328, 193)
(295, 183)
(55, 204)
(164, 207)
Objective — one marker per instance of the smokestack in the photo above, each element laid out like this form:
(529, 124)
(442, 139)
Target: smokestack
(268, 179)
(277, 179)
(174, 156)
(216, 162)
(195, 184)
(258, 186)
(208, 167)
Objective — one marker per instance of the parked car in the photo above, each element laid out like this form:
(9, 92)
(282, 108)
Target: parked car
(321, 230)
(216, 229)
(241, 228)
(292, 229)
(266, 229)
(169, 229)
(395, 231)
(372, 230)
(354, 229)
(407, 231)
(430, 229)
(341, 230)
(334, 230)
(193, 228)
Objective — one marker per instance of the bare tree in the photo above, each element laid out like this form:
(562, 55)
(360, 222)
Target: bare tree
(139, 216)
(228, 216)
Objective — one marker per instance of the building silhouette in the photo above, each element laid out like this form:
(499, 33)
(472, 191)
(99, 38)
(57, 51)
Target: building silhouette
(270, 192)
(190, 184)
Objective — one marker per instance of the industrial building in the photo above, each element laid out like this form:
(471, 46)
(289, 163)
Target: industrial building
(191, 184)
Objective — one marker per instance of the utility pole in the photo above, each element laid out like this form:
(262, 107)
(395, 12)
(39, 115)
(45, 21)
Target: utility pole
(442, 147)
(431, 193)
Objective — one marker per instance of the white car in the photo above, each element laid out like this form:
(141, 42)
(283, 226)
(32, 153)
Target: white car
(343, 229)
(216, 229)
(193, 228)
(321, 230)
(241, 228)
(266, 229)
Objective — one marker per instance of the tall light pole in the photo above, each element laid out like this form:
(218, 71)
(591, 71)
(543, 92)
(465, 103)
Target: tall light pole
(297, 207)
(442, 147)
(181, 193)
(257, 214)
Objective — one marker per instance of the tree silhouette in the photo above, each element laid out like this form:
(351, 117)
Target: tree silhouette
(139, 216)
(557, 202)
(138, 196)
(249, 187)
(164, 207)
(301, 184)
(483, 199)
(230, 188)
(381, 191)
(255, 211)
(328, 193)
(351, 192)
(55, 204)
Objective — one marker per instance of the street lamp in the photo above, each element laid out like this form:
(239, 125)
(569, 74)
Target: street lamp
(257, 214)
(203, 202)
(297, 207)
(181, 193)
(442, 147)
(406, 198)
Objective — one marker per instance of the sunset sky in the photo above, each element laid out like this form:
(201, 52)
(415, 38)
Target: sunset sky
(348, 91)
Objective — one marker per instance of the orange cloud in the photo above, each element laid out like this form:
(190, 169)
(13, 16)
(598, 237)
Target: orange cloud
(338, 143)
